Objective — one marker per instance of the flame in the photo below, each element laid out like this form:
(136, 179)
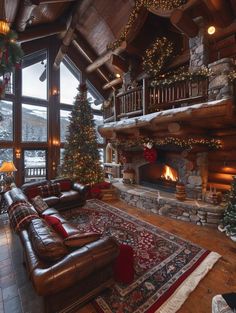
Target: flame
(169, 174)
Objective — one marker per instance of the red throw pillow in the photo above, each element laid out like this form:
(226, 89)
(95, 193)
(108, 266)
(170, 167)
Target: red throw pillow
(51, 220)
(124, 265)
(56, 225)
(60, 230)
(65, 185)
(32, 192)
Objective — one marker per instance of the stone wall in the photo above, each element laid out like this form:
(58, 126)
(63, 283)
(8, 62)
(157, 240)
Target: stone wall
(220, 86)
(161, 203)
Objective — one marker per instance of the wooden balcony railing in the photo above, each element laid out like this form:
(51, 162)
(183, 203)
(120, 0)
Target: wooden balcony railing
(35, 173)
(148, 99)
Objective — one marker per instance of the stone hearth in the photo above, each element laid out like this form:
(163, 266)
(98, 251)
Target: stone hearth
(164, 203)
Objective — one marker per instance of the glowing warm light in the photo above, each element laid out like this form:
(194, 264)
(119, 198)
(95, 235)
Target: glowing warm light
(4, 27)
(211, 30)
(169, 173)
(117, 75)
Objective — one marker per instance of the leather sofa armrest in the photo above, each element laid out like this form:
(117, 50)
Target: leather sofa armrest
(75, 267)
(83, 189)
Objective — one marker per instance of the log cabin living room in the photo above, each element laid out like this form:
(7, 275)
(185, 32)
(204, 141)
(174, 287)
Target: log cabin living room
(117, 156)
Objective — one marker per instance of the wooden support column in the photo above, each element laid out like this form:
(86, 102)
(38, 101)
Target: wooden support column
(145, 96)
(115, 106)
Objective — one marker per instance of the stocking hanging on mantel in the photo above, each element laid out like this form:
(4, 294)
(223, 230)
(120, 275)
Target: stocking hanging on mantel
(149, 153)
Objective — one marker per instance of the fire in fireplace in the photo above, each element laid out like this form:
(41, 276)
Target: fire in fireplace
(158, 176)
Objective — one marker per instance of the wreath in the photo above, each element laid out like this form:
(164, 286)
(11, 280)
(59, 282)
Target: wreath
(157, 55)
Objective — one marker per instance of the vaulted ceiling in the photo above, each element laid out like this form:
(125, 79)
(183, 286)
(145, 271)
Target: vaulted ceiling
(91, 25)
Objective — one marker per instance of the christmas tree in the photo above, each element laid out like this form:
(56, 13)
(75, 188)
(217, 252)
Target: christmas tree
(229, 220)
(81, 157)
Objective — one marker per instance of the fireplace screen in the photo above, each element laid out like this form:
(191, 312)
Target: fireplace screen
(159, 176)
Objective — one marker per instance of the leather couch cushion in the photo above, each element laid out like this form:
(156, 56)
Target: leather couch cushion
(51, 201)
(48, 245)
(50, 211)
(71, 195)
(80, 240)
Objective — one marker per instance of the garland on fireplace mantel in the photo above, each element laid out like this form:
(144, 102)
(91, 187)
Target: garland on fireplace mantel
(187, 143)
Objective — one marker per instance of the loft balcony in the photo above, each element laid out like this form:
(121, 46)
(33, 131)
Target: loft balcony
(146, 99)
(201, 105)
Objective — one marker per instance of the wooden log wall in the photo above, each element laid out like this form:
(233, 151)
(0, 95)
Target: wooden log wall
(223, 48)
(222, 164)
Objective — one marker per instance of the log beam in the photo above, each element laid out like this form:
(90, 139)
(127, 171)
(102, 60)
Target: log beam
(41, 32)
(183, 22)
(105, 57)
(112, 83)
(221, 12)
(119, 64)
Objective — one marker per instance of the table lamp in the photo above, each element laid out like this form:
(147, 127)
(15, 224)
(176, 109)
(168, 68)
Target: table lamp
(7, 169)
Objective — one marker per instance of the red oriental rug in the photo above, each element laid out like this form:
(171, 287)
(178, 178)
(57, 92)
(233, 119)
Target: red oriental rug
(167, 267)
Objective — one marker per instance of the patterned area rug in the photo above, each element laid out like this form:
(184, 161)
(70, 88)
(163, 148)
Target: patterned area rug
(167, 268)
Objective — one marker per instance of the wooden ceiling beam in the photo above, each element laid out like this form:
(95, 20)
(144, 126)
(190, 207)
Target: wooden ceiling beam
(221, 12)
(183, 22)
(37, 2)
(41, 32)
(112, 83)
(105, 57)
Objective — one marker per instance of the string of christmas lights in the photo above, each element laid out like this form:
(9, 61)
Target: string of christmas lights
(179, 142)
(182, 74)
(164, 5)
(157, 55)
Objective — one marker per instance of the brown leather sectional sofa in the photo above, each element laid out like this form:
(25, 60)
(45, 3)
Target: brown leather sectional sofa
(72, 194)
(74, 275)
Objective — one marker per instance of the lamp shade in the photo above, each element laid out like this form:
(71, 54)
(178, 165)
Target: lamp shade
(8, 167)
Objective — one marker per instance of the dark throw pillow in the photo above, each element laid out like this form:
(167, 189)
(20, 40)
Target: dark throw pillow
(39, 204)
(50, 190)
(20, 214)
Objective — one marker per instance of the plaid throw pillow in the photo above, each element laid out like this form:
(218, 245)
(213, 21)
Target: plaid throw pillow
(20, 214)
(50, 190)
(39, 205)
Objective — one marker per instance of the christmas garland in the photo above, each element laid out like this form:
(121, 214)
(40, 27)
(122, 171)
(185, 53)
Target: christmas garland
(157, 55)
(181, 75)
(164, 5)
(182, 143)
(10, 53)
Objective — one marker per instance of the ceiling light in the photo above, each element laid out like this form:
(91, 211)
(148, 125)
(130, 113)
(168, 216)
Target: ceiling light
(117, 75)
(211, 30)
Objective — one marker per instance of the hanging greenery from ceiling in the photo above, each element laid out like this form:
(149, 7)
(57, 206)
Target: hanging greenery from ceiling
(10, 53)
(164, 5)
(157, 56)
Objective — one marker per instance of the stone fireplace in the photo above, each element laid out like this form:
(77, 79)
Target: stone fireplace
(186, 167)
